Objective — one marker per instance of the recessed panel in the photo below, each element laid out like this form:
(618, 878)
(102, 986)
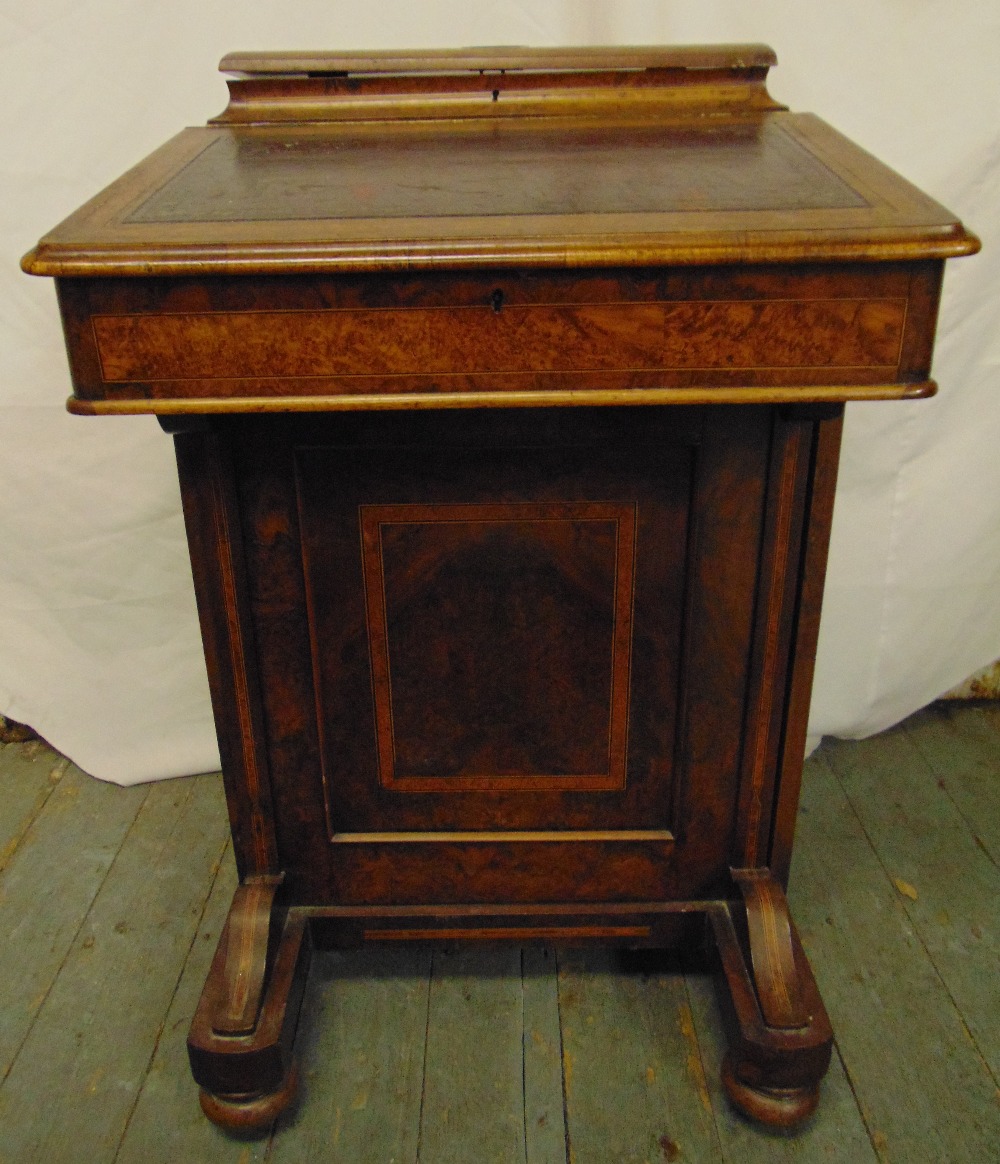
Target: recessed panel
(500, 640)
(497, 637)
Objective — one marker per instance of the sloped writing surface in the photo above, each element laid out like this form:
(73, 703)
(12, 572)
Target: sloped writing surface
(283, 174)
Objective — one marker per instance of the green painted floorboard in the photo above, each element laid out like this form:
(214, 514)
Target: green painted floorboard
(961, 742)
(90, 1046)
(544, 1116)
(29, 774)
(923, 1089)
(473, 1076)
(46, 891)
(361, 1049)
(949, 884)
(166, 1125)
(836, 1133)
(635, 1090)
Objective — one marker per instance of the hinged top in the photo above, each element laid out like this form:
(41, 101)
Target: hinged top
(471, 158)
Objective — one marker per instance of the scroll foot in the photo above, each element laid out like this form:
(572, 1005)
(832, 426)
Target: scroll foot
(240, 1043)
(780, 1035)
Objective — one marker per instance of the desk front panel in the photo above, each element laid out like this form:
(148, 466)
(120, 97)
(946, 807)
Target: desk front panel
(503, 657)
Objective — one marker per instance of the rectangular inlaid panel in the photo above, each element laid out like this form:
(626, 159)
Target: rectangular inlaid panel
(468, 340)
(500, 640)
(496, 635)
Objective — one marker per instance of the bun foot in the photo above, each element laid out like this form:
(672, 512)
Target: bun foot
(780, 1107)
(248, 1113)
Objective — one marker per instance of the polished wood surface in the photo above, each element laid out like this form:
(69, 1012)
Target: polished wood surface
(768, 334)
(497, 651)
(502, 60)
(534, 340)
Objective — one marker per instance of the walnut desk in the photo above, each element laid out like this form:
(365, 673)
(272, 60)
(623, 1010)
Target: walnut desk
(506, 388)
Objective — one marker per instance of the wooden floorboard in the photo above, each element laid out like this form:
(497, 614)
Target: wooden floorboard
(634, 1086)
(544, 1100)
(961, 742)
(835, 1134)
(361, 1051)
(111, 902)
(91, 1045)
(47, 890)
(923, 1088)
(166, 1125)
(30, 773)
(474, 1073)
(949, 886)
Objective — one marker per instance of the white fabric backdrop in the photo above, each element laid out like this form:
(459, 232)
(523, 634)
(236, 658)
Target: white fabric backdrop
(99, 647)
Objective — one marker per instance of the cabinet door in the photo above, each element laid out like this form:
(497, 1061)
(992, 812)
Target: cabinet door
(504, 655)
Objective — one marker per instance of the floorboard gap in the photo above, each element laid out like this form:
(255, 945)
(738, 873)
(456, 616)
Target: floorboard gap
(562, 1056)
(423, 1073)
(874, 1136)
(173, 995)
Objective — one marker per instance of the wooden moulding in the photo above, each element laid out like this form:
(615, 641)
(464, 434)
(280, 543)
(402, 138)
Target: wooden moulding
(503, 339)
(789, 473)
(253, 934)
(784, 394)
(632, 925)
(818, 519)
(848, 207)
(140, 259)
(212, 518)
(772, 950)
(507, 59)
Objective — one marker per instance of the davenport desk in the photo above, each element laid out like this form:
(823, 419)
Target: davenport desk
(506, 388)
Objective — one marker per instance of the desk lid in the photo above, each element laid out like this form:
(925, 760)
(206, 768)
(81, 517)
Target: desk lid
(484, 157)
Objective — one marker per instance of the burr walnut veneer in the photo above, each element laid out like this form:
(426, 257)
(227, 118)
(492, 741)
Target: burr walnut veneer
(506, 389)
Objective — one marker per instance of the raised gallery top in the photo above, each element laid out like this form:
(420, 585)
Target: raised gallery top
(546, 158)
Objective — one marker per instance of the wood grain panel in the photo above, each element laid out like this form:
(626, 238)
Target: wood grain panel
(542, 595)
(455, 341)
(479, 627)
